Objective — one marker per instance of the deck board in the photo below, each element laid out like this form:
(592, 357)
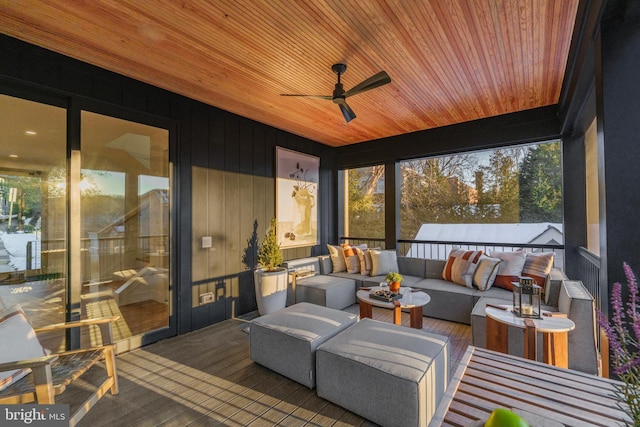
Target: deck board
(207, 378)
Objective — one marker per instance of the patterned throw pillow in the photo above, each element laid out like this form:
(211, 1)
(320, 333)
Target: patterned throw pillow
(460, 266)
(337, 259)
(486, 272)
(351, 259)
(538, 266)
(366, 263)
(19, 342)
(510, 269)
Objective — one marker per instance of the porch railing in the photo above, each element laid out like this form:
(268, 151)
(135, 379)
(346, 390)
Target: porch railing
(437, 249)
(49, 256)
(589, 273)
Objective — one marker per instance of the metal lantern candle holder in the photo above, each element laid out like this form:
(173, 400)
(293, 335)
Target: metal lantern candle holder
(526, 298)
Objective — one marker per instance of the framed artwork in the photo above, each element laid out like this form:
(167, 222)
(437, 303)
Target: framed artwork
(297, 177)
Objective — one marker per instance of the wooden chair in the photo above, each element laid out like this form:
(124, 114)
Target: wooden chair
(50, 375)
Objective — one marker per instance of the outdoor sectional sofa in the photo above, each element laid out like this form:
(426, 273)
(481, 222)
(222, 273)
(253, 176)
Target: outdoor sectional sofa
(453, 302)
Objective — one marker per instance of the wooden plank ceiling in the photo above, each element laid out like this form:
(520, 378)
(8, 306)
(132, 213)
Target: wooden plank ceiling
(450, 61)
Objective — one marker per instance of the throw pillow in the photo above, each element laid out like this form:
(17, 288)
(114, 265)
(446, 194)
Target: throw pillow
(19, 342)
(337, 259)
(460, 266)
(486, 272)
(382, 262)
(537, 266)
(364, 257)
(510, 269)
(351, 259)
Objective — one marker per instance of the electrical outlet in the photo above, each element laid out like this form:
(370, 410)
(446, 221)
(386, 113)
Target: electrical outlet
(206, 298)
(206, 242)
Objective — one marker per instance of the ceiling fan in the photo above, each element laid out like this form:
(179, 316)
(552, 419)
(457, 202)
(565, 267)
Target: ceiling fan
(339, 95)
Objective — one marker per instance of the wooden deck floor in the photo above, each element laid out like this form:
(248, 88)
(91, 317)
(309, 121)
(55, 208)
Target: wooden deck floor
(206, 378)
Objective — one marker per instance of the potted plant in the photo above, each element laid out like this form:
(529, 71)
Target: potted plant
(270, 279)
(394, 279)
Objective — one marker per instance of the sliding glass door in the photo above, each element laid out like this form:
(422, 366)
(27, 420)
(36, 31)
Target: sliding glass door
(85, 226)
(124, 208)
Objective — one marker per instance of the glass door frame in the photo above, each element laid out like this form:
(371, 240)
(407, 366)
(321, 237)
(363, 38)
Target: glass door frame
(77, 106)
(73, 106)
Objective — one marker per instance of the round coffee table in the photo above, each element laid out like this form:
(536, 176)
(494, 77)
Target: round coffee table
(555, 333)
(413, 301)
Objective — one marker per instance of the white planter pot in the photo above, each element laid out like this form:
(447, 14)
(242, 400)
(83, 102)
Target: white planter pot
(271, 290)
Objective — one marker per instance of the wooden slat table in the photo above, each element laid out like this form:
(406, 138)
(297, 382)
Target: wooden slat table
(486, 380)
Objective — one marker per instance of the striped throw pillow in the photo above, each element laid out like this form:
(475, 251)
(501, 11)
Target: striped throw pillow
(460, 266)
(366, 263)
(537, 266)
(351, 260)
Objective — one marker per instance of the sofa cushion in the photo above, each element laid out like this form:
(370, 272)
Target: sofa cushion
(412, 266)
(537, 266)
(486, 272)
(327, 290)
(337, 259)
(460, 266)
(448, 301)
(407, 281)
(510, 269)
(578, 304)
(434, 268)
(389, 374)
(383, 262)
(494, 292)
(286, 341)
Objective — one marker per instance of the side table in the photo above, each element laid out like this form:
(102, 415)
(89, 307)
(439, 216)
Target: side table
(555, 334)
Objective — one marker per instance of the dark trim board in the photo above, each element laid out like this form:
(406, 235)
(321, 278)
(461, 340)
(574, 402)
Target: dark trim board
(535, 125)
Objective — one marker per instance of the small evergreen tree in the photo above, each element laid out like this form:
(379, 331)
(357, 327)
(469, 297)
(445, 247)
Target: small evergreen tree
(269, 255)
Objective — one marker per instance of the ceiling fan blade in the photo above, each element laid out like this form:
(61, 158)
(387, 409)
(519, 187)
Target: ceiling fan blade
(347, 112)
(382, 78)
(328, 97)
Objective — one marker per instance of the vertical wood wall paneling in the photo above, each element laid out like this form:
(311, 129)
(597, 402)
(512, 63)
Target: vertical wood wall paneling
(216, 214)
(243, 293)
(232, 203)
(198, 124)
(259, 215)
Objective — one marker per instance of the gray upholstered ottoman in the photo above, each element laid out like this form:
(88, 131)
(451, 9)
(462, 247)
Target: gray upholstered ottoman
(389, 374)
(329, 291)
(286, 341)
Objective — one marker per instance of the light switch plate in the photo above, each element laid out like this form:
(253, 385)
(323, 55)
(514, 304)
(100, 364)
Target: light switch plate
(206, 242)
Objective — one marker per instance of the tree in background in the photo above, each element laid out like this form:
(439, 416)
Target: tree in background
(519, 184)
(434, 191)
(500, 189)
(366, 202)
(541, 184)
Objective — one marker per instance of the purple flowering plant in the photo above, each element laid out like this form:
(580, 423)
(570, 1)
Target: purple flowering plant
(623, 332)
